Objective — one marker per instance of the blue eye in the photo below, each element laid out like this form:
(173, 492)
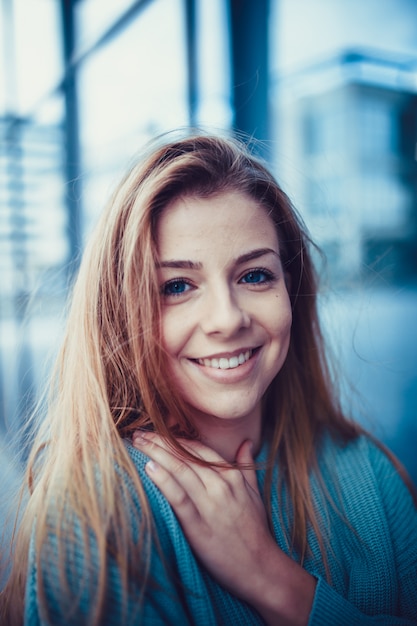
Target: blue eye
(175, 287)
(257, 276)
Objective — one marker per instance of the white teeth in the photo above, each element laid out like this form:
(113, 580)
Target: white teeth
(226, 364)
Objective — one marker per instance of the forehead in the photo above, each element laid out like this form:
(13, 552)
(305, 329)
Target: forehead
(228, 219)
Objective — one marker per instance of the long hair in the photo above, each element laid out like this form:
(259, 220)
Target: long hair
(110, 376)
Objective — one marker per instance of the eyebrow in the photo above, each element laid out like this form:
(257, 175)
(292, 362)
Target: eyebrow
(183, 265)
(196, 265)
(255, 254)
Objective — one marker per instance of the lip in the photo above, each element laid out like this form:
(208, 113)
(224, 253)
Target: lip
(227, 355)
(232, 375)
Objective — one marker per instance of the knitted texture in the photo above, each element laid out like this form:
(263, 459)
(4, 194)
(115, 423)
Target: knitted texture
(372, 558)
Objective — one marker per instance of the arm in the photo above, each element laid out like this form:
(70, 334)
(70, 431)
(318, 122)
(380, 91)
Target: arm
(331, 609)
(223, 518)
(380, 506)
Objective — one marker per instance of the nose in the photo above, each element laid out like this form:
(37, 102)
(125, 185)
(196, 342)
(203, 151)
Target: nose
(223, 313)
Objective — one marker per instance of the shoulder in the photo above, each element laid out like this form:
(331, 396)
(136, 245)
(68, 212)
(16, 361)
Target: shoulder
(139, 459)
(162, 511)
(360, 458)
(372, 526)
(362, 475)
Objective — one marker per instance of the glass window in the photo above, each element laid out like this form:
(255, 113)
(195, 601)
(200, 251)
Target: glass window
(384, 201)
(129, 91)
(214, 98)
(377, 126)
(324, 127)
(94, 18)
(30, 56)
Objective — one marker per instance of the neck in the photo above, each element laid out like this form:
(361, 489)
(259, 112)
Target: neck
(226, 436)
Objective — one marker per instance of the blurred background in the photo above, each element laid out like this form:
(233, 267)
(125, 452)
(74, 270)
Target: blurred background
(328, 86)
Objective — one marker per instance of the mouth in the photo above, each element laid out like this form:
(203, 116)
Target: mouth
(227, 363)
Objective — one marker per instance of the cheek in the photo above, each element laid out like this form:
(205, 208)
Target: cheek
(287, 322)
(172, 331)
(281, 341)
(167, 336)
(281, 318)
(287, 329)
(282, 338)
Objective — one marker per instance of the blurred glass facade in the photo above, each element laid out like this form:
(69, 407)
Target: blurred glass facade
(352, 129)
(84, 84)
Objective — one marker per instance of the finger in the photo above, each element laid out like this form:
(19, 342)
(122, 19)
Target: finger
(192, 490)
(202, 451)
(204, 484)
(232, 478)
(185, 473)
(245, 461)
(174, 492)
(216, 473)
(196, 449)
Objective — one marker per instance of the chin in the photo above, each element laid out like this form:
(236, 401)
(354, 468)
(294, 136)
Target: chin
(227, 413)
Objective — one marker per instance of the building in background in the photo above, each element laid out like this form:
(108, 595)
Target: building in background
(345, 150)
(33, 254)
(350, 125)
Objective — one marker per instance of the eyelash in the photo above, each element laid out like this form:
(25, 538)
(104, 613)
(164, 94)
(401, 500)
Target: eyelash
(175, 281)
(269, 277)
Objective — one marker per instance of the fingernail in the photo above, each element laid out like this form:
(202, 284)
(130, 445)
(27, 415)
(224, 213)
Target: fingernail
(139, 438)
(152, 466)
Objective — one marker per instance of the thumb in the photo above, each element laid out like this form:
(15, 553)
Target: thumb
(244, 460)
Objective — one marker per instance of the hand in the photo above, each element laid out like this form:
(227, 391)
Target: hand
(219, 509)
(223, 517)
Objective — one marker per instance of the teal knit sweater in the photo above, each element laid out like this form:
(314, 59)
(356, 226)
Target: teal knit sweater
(373, 560)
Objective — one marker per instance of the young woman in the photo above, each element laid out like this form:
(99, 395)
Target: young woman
(194, 466)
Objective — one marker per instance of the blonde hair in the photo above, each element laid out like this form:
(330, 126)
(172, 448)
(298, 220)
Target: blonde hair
(110, 377)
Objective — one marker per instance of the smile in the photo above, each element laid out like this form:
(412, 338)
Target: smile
(223, 363)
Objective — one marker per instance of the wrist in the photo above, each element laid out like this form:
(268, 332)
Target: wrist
(285, 591)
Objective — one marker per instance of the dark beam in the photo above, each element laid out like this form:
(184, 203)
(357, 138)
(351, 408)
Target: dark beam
(191, 48)
(73, 59)
(71, 138)
(250, 67)
(115, 29)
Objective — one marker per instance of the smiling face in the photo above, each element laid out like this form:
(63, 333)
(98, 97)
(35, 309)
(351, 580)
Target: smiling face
(226, 314)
